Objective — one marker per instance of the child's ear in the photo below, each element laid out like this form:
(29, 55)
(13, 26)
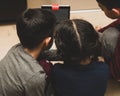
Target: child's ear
(47, 40)
(116, 10)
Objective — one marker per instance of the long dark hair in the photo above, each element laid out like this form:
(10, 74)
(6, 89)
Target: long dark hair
(76, 40)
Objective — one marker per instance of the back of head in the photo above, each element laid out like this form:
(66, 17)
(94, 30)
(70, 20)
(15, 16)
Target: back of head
(109, 4)
(76, 40)
(33, 26)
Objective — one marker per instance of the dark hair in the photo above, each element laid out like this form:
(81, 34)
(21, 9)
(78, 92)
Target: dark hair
(109, 4)
(33, 26)
(76, 40)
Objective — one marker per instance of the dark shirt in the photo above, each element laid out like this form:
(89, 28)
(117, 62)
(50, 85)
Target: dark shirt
(83, 80)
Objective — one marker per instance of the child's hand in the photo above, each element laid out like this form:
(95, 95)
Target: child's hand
(97, 28)
(101, 59)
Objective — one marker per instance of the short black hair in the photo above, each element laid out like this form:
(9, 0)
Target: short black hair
(76, 44)
(109, 4)
(33, 26)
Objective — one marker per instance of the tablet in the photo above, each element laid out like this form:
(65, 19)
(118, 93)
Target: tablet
(62, 12)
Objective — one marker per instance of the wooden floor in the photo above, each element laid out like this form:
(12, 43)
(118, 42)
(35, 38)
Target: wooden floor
(8, 37)
(113, 88)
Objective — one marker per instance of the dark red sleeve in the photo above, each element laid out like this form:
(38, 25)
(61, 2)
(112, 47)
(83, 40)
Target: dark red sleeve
(113, 24)
(47, 66)
(115, 63)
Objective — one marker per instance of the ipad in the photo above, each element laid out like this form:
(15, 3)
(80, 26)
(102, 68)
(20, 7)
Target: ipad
(62, 12)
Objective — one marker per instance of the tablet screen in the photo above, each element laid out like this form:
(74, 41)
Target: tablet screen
(62, 13)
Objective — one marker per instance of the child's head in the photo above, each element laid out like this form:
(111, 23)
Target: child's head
(111, 8)
(76, 40)
(33, 26)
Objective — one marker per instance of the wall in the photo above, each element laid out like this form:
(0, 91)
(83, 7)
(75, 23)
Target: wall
(37, 3)
(75, 4)
(78, 4)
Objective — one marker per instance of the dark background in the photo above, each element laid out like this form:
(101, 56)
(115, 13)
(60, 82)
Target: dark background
(10, 9)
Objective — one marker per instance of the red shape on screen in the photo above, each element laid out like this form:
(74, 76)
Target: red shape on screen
(55, 7)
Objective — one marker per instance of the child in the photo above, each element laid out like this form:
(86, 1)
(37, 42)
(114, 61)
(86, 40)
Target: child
(20, 72)
(111, 37)
(81, 74)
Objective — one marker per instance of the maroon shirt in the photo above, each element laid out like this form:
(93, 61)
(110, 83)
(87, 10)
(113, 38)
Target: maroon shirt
(47, 66)
(115, 62)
